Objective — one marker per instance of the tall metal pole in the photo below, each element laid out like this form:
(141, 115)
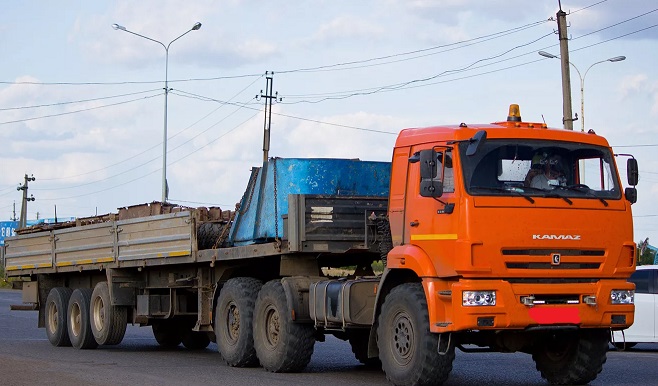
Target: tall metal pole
(165, 187)
(567, 114)
(582, 80)
(582, 86)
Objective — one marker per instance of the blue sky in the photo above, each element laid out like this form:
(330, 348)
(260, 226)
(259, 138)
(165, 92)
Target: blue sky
(104, 151)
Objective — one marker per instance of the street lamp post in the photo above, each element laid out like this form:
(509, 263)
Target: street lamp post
(196, 26)
(582, 81)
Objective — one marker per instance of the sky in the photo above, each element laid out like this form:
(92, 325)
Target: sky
(82, 104)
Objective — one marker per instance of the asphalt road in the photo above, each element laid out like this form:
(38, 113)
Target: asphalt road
(27, 358)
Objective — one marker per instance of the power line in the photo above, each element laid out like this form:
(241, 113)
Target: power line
(472, 41)
(145, 175)
(295, 117)
(73, 102)
(77, 111)
(616, 24)
(589, 6)
(152, 147)
(127, 82)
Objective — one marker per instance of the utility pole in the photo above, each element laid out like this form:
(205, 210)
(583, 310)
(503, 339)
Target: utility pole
(14, 218)
(269, 76)
(567, 114)
(23, 220)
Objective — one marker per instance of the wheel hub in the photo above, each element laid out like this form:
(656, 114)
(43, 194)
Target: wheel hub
(403, 339)
(272, 329)
(233, 322)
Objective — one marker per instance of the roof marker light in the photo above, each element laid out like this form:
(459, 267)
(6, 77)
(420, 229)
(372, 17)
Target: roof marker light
(514, 113)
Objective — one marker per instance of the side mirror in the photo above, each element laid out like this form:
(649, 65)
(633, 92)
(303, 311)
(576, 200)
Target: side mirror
(475, 142)
(431, 188)
(632, 172)
(428, 164)
(631, 195)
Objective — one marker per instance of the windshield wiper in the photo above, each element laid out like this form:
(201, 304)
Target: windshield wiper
(555, 195)
(497, 189)
(582, 188)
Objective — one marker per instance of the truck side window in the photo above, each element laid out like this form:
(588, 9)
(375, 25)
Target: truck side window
(448, 176)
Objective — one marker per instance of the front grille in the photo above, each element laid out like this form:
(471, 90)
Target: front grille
(551, 281)
(554, 299)
(549, 252)
(532, 265)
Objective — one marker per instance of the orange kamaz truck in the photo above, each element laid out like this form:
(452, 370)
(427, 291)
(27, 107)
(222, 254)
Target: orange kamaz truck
(502, 237)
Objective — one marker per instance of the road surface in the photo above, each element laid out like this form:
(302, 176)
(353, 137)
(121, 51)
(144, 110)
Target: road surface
(27, 358)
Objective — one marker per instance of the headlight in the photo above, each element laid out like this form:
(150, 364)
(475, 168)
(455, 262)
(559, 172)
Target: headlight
(479, 298)
(622, 296)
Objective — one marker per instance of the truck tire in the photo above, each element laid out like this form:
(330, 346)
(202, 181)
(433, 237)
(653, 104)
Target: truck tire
(79, 326)
(282, 346)
(167, 333)
(108, 322)
(56, 306)
(208, 233)
(407, 348)
(195, 340)
(234, 319)
(359, 342)
(572, 358)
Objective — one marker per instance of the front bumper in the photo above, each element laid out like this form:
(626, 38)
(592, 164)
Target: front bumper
(565, 305)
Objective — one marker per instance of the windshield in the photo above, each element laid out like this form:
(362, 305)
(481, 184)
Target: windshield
(540, 168)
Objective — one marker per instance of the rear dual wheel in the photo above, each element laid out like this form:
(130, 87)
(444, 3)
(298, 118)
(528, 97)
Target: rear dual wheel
(282, 346)
(234, 317)
(79, 326)
(56, 320)
(108, 322)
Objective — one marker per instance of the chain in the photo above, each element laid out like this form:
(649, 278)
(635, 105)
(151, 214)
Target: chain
(276, 206)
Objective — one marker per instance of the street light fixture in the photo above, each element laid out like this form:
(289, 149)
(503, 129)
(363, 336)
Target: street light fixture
(196, 26)
(582, 81)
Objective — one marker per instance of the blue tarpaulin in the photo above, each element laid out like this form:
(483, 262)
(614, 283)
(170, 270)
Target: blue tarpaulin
(255, 221)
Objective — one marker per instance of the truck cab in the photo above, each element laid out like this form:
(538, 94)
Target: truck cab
(521, 235)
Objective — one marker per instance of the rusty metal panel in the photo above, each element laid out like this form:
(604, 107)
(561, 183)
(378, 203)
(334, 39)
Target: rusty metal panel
(28, 252)
(89, 244)
(162, 236)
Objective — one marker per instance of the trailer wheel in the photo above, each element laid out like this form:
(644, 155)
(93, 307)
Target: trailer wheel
(167, 333)
(359, 342)
(282, 346)
(234, 317)
(56, 305)
(195, 340)
(571, 358)
(407, 348)
(79, 326)
(108, 322)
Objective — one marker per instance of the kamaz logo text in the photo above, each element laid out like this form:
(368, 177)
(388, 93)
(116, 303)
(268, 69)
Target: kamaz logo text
(556, 237)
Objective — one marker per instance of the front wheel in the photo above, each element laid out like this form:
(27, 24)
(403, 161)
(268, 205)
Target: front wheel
(573, 357)
(282, 346)
(407, 348)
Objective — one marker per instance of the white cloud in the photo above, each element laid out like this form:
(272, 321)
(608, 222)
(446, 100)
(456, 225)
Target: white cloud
(348, 27)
